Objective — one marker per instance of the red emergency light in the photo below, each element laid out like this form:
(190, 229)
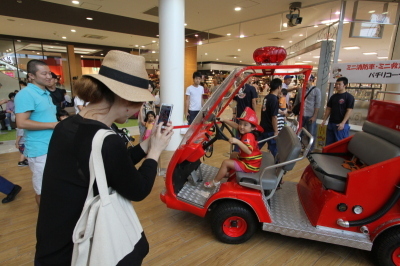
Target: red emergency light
(269, 55)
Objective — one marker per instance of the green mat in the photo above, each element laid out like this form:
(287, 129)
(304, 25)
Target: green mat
(12, 135)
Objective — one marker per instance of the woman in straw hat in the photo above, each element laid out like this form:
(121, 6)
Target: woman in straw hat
(115, 94)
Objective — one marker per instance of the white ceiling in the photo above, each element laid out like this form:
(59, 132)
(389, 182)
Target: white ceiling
(259, 21)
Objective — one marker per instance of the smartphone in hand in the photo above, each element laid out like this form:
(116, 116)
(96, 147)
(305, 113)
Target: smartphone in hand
(165, 113)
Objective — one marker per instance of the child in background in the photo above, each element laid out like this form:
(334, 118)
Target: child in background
(62, 114)
(248, 159)
(149, 123)
(282, 109)
(20, 145)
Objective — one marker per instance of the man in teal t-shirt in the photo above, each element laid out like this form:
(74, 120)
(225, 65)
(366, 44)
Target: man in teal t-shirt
(36, 114)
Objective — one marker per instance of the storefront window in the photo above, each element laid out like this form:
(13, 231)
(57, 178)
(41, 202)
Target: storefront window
(8, 69)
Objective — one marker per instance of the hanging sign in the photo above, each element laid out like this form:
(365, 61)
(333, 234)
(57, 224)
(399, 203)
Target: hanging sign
(383, 72)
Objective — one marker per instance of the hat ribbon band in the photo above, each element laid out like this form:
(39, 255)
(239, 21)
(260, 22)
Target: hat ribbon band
(124, 77)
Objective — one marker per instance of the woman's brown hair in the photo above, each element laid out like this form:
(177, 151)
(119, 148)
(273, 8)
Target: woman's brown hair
(92, 90)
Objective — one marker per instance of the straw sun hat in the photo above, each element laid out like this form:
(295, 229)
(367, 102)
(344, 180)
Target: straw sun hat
(125, 74)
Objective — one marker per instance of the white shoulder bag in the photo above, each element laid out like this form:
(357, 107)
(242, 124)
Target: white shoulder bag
(108, 228)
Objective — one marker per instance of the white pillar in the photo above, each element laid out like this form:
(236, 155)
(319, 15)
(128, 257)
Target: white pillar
(172, 60)
(395, 55)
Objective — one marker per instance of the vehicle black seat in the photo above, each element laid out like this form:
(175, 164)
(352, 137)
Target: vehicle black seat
(373, 145)
(289, 148)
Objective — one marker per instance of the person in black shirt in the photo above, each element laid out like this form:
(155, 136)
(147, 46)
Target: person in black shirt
(56, 94)
(339, 109)
(269, 112)
(114, 95)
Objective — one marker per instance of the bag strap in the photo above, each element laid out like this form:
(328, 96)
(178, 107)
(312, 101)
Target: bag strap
(96, 167)
(309, 92)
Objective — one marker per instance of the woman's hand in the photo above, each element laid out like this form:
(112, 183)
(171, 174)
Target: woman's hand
(159, 140)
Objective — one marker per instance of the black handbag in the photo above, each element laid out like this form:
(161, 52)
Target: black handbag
(2, 113)
(296, 108)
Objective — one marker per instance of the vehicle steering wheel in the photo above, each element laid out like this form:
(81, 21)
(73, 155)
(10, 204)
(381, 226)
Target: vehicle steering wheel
(220, 131)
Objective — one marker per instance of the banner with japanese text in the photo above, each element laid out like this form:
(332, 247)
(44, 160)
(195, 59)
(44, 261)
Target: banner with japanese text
(383, 72)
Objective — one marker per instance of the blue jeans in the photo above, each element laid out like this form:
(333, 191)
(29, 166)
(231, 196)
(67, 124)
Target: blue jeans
(310, 127)
(192, 116)
(333, 135)
(5, 186)
(7, 120)
(271, 143)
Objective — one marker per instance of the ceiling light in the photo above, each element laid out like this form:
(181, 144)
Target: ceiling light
(73, 30)
(238, 8)
(328, 22)
(81, 55)
(64, 37)
(217, 59)
(290, 41)
(234, 57)
(51, 47)
(136, 45)
(228, 34)
(158, 35)
(75, 2)
(351, 47)
(370, 53)
(316, 56)
(196, 35)
(384, 13)
(372, 11)
(299, 63)
(383, 57)
(156, 59)
(143, 46)
(300, 35)
(282, 46)
(337, 13)
(240, 61)
(101, 54)
(239, 50)
(153, 41)
(241, 36)
(200, 42)
(284, 25)
(315, 26)
(186, 40)
(38, 53)
(206, 53)
(291, 53)
(89, 18)
(185, 24)
(18, 40)
(307, 61)
(153, 52)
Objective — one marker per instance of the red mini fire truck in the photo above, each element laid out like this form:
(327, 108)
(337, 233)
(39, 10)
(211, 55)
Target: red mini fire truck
(356, 207)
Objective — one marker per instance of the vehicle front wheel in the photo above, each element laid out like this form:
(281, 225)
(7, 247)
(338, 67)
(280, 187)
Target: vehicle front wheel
(233, 222)
(386, 249)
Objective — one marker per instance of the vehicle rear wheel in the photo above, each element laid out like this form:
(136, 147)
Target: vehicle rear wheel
(386, 249)
(233, 223)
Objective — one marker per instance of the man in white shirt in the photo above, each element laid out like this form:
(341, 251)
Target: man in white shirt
(194, 97)
(78, 104)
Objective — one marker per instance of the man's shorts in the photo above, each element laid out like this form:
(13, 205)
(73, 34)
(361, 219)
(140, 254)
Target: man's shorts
(36, 164)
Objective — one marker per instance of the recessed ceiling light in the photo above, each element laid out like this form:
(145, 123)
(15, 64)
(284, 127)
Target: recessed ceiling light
(228, 34)
(316, 56)
(217, 59)
(290, 41)
(73, 30)
(307, 61)
(206, 53)
(64, 37)
(158, 35)
(75, 2)
(156, 59)
(196, 35)
(89, 18)
(372, 11)
(81, 55)
(238, 8)
(284, 25)
(339, 60)
(337, 13)
(241, 36)
(300, 35)
(200, 42)
(136, 45)
(234, 57)
(383, 57)
(282, 46)
(51, 47)
(185, 24)
(153, 52)
(38, 53)
(240, 61)
(18, 40)
(351, 47)
(143, 46)
(101, 54)
(315, 26)
(291, 53)
(239, 50)
(370, 53)
(186, 40)
(299, 63)
(153, 41)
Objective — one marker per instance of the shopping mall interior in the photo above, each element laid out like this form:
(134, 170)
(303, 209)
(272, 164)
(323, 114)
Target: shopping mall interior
(73, 37)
